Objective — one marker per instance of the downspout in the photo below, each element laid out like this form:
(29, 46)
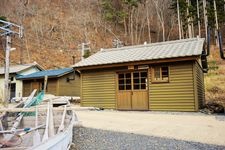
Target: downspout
(206, 52)
(221, 45)
(73, 78)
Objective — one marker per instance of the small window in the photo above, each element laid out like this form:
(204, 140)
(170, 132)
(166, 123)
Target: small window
(124, 81)
(140, 80)
(160, 74)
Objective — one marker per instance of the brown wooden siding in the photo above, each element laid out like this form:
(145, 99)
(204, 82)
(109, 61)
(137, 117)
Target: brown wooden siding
(26, 88)
(52, 87)
(30, 85)
(71, 88)
(178, 93)
(99, 89)
(200, 85)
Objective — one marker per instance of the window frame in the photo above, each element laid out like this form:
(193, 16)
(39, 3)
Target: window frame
(160, 80)
(139, 78)
(132, 80)
(125, 81)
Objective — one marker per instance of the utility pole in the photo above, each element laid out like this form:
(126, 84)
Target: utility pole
(8, 29)
(7, 55)
(178, 18)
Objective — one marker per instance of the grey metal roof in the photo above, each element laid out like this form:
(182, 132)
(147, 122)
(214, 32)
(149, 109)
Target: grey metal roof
(18, 68)
(154, 51)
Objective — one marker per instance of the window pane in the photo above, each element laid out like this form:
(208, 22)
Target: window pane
(136, 86)
(128, 81)
(128, 87)
(121, 87)
(121, 76)
(157, 73)
(136, 74)
(128, 75)
(143, 80)
(143, 86)
(143, 74)
(136, 81)
(121, 81)
(165, 73)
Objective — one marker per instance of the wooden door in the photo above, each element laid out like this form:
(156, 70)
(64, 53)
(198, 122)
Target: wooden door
(124, 91)
(140, 90)
(132, 91)
(124, 100)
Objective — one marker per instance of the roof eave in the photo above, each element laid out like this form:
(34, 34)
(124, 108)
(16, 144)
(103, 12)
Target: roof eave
(42, 77)
(141, 62)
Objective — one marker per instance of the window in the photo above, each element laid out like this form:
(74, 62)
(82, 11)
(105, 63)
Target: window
(125, 81)
(140, 80)
(133, 81)
(160, 74)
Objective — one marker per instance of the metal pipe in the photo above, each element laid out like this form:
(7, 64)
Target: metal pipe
(208, 40)
(221, 45)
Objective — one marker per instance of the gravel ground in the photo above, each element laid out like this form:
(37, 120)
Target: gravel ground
(96, 139)
(195, 127)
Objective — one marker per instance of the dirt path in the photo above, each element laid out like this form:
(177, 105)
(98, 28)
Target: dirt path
(181, 126)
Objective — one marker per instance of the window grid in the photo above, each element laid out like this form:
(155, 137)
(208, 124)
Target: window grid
(132, 81)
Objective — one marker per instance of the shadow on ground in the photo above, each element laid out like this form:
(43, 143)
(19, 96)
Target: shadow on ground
(95, 139)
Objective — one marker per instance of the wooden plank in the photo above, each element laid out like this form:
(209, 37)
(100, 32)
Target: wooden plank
(97, 89)
(46, 133)
(140, 100)
(195, 87)
(61, 127)
(45, 83)
(124, 100)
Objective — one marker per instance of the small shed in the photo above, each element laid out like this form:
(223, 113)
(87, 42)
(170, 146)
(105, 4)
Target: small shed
(61, 82)
(161, 76)
(16, 86)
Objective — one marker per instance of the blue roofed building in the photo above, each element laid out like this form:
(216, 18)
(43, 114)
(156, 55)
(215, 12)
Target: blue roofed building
(60, 82)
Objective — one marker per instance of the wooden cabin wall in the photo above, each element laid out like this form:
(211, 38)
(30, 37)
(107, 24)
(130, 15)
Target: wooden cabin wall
(176, 95)
(199, 86)
(26, 88)
(52, 86)
(98, 89)
(71, 88)
(30, 85)
(183, 92)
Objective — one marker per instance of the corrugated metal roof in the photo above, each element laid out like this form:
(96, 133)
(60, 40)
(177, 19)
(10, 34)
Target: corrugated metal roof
(163, 50)
(18, 68)
(49, 73)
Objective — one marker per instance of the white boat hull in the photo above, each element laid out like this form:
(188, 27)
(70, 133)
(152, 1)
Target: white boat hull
(60, 141)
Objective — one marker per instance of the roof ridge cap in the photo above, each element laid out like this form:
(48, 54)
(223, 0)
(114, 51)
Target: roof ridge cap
(150, 44)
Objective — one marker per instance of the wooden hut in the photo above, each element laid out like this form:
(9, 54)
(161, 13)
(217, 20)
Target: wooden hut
(161, 76)
(61, 82)
(15, 86)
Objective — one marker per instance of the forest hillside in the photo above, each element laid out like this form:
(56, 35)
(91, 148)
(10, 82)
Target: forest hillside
(54, 30)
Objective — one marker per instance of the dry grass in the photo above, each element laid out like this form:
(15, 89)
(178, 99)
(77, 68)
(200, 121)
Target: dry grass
(215, 79)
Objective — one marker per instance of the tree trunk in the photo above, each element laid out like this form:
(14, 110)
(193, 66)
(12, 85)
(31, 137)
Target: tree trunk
(199, 23)
(148, 22)
(178, 18)
(205, 19)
